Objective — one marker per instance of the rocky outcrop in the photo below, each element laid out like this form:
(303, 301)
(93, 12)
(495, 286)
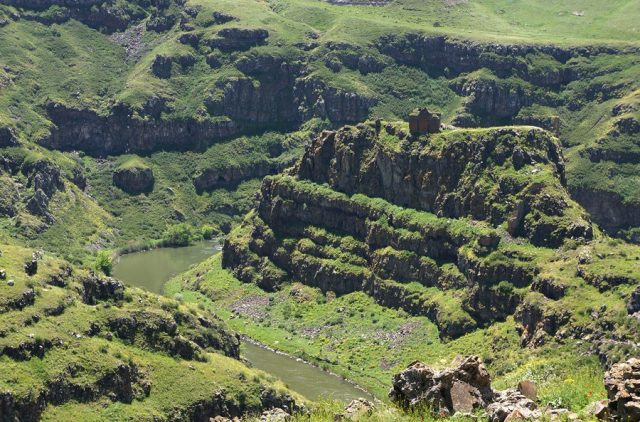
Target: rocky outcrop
(440, 54)
(444, 181)
(121, 131)
(178, 334)
(633, 304)
(538, 320)
(210, 179)
(162, 65)
(134, 179)
(238, 39)
(622, 383)
(463, 388)
(607, 208)
(8, 137)
(97, 289)
(282, 98)
(103, 15)
(512, 405)
(357, 409)
(124, 383)
(401, 236)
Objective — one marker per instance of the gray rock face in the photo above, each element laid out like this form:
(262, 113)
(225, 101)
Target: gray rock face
(633, 305)
(238, 39)
(463, 388)
(7, 137)
(512, 405)
(120, 132)
(284, 98)
(230, 176)
(134, 180)
(96, 288)
(622, 383)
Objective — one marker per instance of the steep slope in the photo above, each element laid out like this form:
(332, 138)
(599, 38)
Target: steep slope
(77, 345)
(139, 78)
(458, 227)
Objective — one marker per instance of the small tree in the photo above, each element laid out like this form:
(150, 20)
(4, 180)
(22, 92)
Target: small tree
(104, 262)
(208, 232)
(179, 235)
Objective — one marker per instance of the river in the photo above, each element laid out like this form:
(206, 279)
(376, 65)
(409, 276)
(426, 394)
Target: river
(150, 270)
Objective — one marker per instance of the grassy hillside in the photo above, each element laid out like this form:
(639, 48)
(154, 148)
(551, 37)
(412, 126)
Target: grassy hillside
(197, 101)
(70, 337)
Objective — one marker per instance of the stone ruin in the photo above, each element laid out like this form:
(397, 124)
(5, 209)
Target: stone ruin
(422, 121)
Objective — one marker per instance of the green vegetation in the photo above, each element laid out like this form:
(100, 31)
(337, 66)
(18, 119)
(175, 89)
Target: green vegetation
(179, 235)
(104, 262)
(128, 361)
(215, 120)
(353, 336)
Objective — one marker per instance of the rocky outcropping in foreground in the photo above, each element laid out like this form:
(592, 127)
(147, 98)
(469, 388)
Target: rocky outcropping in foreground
(465, 389)
(622, 382)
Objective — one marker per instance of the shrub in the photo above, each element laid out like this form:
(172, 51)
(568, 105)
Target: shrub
(179, 235)
(103, 262)
(207, 232)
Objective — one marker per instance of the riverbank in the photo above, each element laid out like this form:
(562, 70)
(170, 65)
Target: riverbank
(358, 391)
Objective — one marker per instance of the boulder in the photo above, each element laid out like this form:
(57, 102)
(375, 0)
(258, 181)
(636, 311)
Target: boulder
(622, 383)
(633, 305)
(462, 388)
(510, 405)
(96, 288)
(357, 409)
(7, 137)
(238, 39)
(220, 18)
(601, 410)
(529, 389)
(275, 415)
(31, 267)
(38, 204)
(134, 179)
(161, 66)
(3, 274)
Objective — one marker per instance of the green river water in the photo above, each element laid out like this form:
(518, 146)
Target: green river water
(150, 270)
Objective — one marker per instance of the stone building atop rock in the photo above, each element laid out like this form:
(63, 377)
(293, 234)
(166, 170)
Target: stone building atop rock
(422, 121)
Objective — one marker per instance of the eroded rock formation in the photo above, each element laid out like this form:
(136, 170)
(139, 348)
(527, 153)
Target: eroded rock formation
(414, 230)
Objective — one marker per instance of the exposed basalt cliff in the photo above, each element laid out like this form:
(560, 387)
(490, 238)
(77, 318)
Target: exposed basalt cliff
(134, 179)
(105, 15)
(121, 131)
(320, 224)
(231, 176)
(445, 177)
(276, 94)
(438, 54)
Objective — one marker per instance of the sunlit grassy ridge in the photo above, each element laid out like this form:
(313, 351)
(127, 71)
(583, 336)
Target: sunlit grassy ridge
(55, 338)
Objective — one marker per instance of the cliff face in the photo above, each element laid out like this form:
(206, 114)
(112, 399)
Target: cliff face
(276, 95)
(120, 132)
(456, 176)
(417, 223)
